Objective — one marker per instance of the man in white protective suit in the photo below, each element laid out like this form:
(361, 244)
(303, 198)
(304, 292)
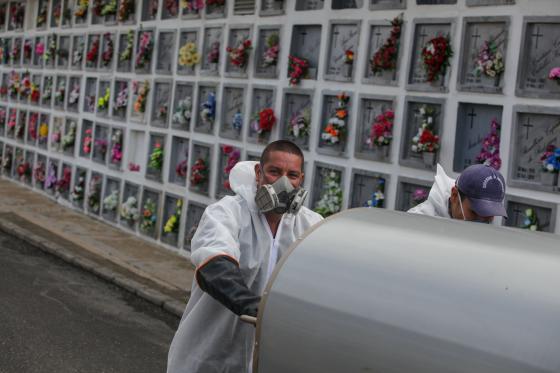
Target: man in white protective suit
(237, 243)
(477, 195)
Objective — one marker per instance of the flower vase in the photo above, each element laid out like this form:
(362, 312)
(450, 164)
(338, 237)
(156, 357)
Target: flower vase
(382, 151)
(429, 158)
(549, 178)
(347, 70)
(171, 238)
(497, 79)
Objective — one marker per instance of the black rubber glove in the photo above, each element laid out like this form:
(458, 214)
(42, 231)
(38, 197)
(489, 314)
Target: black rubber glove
(222, 279)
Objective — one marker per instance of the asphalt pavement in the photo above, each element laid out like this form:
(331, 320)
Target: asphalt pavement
(56, 317)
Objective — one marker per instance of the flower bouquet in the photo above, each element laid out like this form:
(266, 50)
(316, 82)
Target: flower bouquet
(39, 173)
(490, 152)
(213, 56)
(94, 193)
(182, 168)
(263, 122)
(208, 109)
(156, 157)
(51, 179)
(142, 92)
(149, 216)
(183, 112)
(56, 137)
(93, 52)
(42, 14)
(81, 9)
(129, 210)
(27, 49)
(330, 201)
(43, 133)
(47, 90)
(144, 53)
(554, 74)
(24, 171)
(50, 51)
(531, 221)
(111, 202)
(233, 156)
(386, 57)
(270, 56)
(300, 123)
(378, 197)
(100, 148)
(109, 8)
(419, 195)
(116, 147)
(490, 62)
(188, 55)
(348, 63)
(126, 8)
(60, 92)
(32, 128)
(172, 7)
(126, 53)
(78, 54)
(436, 56)
(335, 130)
(381, 131)
(173, 222)
(35, 94)
(107, 54)
(87, 141)
(239, 55)
(192, 6)
(15, 53)
(426, 142)
(121, 101)
(13, 84)
(69, 138)
(12, 122)
(63, 184)
(550, 165)
(77, 194)
(199, 173)
(103, 101)
(297, 69)
(7, 161)
(74, 94)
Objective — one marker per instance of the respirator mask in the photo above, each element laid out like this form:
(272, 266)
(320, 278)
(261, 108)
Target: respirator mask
(280, 197)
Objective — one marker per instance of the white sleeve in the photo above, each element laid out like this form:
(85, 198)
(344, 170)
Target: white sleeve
(217, 233)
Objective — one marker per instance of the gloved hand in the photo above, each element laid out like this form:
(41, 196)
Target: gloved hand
(221, 278)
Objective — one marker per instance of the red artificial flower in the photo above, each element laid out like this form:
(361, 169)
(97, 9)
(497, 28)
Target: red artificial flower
(266, 119)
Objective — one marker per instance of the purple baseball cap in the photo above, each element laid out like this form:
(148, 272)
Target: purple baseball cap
(485, 188)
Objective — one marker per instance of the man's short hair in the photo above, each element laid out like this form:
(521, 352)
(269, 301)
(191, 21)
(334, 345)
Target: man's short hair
(285, 146)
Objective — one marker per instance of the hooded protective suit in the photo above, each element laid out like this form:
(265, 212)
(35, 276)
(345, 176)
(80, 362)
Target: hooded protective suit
(437, 203)
(211, 338)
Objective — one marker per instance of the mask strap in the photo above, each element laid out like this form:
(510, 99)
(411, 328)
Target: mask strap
(461, 205)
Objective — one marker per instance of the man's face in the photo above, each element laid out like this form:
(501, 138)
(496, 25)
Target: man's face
(280, 164)
(469, 213)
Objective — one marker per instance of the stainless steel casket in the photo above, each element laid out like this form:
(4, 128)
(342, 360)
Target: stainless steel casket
(382, 291)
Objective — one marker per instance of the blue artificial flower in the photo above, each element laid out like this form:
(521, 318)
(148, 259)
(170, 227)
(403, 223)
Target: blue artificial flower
(237, 123)
(211, 103)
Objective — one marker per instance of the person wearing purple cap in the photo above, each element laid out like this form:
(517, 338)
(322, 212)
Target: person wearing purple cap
(477, 195)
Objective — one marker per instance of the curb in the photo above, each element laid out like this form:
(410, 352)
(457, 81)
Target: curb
(151, 295)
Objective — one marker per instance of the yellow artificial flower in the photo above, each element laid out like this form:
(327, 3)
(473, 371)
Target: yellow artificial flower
(196, 58)
(188, 61)
(44, 130)
(190, 47)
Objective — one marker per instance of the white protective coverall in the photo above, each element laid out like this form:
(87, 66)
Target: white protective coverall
(210, 338)
(437, 203)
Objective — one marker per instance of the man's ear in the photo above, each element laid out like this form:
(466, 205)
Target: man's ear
(257, 172)
(454, 193)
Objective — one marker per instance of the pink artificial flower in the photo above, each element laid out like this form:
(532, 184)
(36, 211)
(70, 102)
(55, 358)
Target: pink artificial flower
(40, 49)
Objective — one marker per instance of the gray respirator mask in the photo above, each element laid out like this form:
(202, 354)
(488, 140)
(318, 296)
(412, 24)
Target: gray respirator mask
(280, 197)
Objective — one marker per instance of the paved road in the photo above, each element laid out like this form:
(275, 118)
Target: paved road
(57, 318)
